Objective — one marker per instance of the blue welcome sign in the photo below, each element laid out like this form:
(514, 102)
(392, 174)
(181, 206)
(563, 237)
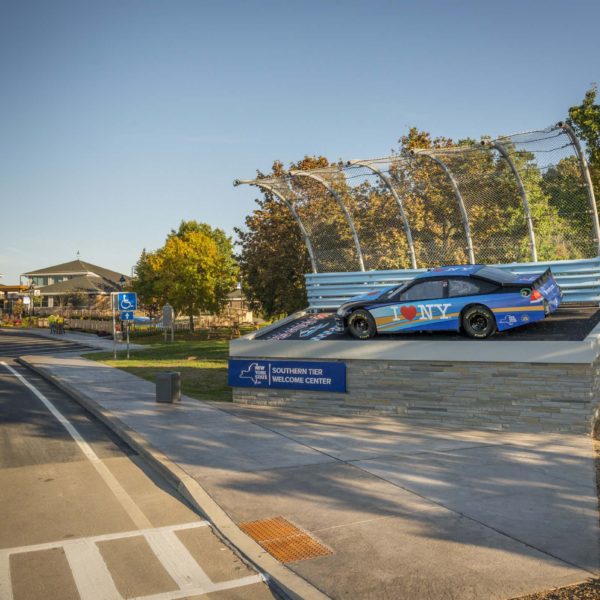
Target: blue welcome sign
(288, 374)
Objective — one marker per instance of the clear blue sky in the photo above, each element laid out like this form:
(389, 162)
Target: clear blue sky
(120, 118)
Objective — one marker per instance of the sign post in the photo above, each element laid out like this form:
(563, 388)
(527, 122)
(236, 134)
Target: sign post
(127, 303)
(114, 336)
(126, 318)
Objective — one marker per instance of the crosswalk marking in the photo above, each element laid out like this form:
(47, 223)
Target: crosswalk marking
(94, 581)
(104, 537)
(5, 584)
(214, 587)
(177, 560)
(91, 575)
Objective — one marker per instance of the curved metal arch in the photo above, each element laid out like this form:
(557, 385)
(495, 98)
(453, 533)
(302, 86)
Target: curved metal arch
(339, 200)
(405, 222)
(292, 209)
(504, 152)
(459, 198)
(588, 180)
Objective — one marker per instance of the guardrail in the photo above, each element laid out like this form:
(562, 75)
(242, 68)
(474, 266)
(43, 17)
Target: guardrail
(578, 279)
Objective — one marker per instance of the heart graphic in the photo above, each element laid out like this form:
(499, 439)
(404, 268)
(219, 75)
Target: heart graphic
(408, 312)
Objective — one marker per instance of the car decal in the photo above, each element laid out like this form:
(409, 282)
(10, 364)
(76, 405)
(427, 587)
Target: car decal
(388, 323)
(504, 309)
(325, 334)
(308, 332)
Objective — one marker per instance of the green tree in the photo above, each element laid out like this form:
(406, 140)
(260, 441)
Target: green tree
(585, 119)
(192, 271)
(227, 267)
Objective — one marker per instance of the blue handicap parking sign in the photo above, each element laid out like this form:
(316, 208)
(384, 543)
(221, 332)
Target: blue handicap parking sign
(126, 315)
(127, 301)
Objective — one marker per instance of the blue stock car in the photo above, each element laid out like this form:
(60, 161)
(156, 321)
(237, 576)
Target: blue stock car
(476, 299)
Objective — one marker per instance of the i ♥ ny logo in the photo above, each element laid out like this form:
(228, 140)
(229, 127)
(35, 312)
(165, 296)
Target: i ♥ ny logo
(408, 312)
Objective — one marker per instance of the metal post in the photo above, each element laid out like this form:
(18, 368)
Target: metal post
(127, 322)
(459, 198)
(112, 301)
(504, 152)
(339, 200)
(291, 208)
(406, 224)
(588, 181)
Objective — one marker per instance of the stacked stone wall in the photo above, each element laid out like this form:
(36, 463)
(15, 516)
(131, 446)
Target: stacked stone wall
(514, 396)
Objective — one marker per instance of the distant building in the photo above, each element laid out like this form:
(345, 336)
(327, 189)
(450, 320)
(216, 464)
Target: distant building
(238, 306)
(76, 282)
(10, 294)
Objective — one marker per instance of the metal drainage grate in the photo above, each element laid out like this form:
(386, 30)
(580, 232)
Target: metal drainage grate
(283, 540)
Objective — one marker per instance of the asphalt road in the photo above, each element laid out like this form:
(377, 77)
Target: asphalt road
(84, 517)
(19, 342)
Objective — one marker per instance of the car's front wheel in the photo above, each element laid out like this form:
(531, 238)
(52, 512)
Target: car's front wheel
(361, 324)
(478, 322)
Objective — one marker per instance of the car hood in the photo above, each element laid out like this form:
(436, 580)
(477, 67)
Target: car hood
(369, 296)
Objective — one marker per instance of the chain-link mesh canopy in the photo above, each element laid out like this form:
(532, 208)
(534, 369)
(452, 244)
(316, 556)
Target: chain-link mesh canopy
(328, 222)
(550, 168)
(521, 197)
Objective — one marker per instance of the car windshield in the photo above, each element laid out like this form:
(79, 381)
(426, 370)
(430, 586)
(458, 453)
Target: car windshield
(496, 275)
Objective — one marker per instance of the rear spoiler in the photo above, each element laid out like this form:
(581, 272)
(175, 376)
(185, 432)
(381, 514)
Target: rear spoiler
(541, 280)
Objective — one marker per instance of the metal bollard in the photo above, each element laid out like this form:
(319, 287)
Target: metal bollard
(168, 387)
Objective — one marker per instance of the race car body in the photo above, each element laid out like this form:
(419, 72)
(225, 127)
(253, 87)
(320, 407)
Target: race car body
(476, 299)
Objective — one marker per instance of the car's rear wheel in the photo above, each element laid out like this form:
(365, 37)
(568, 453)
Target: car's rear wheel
(478, 322)
(361, 324)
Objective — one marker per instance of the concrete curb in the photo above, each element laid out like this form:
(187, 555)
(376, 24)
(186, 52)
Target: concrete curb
(284, 581)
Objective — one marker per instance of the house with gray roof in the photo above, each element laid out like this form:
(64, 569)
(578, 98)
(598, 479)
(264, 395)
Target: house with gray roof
(60, 285)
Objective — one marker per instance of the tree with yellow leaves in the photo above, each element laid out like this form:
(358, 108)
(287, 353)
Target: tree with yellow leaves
(194, 271)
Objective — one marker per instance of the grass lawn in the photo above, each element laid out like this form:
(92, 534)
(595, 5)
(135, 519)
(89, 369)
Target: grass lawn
(201, 362)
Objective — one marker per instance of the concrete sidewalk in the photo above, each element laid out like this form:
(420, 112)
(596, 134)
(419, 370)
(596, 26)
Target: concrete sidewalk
(88, 339)
(409, 511)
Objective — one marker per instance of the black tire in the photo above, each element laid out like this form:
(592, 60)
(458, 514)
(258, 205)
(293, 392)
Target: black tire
(478, 322)
(361, 324)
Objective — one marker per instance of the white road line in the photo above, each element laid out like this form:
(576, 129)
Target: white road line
(235, 583)
(214, 587)
(130, 507)
(5, 582)
(177, 560)
(105, 537)
(89, 570)
(91, 575)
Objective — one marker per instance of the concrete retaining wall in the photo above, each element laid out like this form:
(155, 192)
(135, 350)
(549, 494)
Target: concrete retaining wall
(516, 396)
(516, 385)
